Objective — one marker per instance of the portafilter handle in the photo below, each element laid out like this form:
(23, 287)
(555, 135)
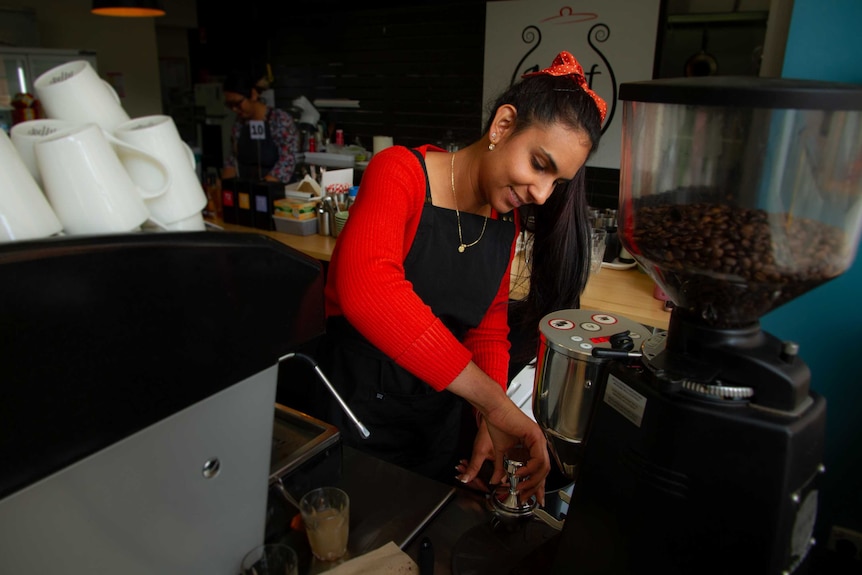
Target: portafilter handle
(515, 459)
(363, 431)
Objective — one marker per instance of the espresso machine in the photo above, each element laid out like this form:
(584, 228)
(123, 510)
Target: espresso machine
(138, 378)
(704, 448)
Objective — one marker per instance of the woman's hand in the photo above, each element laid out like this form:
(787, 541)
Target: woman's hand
(483, 450)
(506, 426)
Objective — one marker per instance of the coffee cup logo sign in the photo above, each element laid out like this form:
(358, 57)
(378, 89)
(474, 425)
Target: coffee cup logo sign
(614, 41)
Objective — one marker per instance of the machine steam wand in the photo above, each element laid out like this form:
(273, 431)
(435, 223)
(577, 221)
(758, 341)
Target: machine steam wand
(363, 431)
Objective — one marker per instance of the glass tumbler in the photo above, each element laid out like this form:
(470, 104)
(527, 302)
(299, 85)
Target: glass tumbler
(598, 243)
(271, 559)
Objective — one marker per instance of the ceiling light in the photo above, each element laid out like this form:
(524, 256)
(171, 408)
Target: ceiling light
(128, 8)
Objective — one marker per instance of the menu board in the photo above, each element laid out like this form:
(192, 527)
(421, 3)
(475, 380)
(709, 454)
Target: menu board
(614, 41)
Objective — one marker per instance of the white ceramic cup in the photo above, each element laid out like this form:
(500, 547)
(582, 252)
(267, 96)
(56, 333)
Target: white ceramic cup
(158, 136)
(24, 136)
(24, 211)
(87, 185)
(193, 223)
(74, 91)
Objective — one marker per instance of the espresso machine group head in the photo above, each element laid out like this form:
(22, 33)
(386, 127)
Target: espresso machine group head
(737, 195)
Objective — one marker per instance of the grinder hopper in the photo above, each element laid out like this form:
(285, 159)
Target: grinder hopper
(737, 195)
(745, 200)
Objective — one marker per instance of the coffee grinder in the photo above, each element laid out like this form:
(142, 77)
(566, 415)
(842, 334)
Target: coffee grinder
(704, 452)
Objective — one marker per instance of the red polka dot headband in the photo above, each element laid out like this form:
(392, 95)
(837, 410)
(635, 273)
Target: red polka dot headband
(566, 65)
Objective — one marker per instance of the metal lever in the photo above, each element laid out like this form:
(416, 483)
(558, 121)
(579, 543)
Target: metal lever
(363, 431)
(615, 353)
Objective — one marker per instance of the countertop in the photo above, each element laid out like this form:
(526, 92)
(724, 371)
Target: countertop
(317, 246)
(392, 504)
(625, 292)
(387, 503)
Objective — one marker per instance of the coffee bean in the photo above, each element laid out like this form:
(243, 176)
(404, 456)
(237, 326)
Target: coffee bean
(730, 265)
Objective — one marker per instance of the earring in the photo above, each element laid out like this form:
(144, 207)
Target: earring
(491, 146)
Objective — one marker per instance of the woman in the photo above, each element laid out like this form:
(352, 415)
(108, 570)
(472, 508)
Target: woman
(264, 140)
(417, 288)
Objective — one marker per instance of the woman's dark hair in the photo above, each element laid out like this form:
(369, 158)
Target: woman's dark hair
(560, 256)
(241, 82)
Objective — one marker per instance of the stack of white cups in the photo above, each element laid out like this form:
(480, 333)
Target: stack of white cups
(101, 171)
(83, 178)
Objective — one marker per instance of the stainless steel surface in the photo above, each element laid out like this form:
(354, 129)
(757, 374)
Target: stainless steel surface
(392, 504)
(363, 431)
(567, 375)
(387, 503)
(470, 539)
(144, 505)
(507, 500)
(296, 438)
(466, 510)
(279, 485)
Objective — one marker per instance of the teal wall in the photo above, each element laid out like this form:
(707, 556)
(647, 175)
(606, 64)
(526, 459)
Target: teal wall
(825, 43)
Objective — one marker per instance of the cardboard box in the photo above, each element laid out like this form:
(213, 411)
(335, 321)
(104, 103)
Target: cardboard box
(229, 201)
(306, 185)
(244, 202)
(264, 195)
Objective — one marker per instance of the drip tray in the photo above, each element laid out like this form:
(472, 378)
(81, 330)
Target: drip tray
(299, 439)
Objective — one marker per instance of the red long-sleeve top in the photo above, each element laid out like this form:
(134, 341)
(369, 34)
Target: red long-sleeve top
(366, 282)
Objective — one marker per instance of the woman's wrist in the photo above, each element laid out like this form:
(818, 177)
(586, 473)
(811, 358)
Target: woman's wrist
(482, 392)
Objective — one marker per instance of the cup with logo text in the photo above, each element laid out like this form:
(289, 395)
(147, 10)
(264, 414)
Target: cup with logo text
(73, 91)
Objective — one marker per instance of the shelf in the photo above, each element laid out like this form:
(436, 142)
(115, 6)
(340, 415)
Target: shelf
(718, 18)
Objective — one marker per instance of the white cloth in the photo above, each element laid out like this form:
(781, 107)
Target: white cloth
(386, 560)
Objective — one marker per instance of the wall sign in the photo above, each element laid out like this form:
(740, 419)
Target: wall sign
(614, 40)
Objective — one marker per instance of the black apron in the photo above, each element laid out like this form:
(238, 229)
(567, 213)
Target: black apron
(256, 158)
(411, 424)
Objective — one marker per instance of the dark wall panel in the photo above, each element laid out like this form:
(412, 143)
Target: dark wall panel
(416, 69)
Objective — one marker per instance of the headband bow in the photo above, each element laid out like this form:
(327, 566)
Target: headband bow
(566, 65)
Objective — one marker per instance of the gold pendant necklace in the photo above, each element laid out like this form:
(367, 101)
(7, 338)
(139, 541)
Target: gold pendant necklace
(461, 245)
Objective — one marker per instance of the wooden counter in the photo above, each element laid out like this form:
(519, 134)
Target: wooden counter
(627, 293)
(317, 246)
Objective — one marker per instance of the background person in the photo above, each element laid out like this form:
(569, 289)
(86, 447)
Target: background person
(264, 139)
